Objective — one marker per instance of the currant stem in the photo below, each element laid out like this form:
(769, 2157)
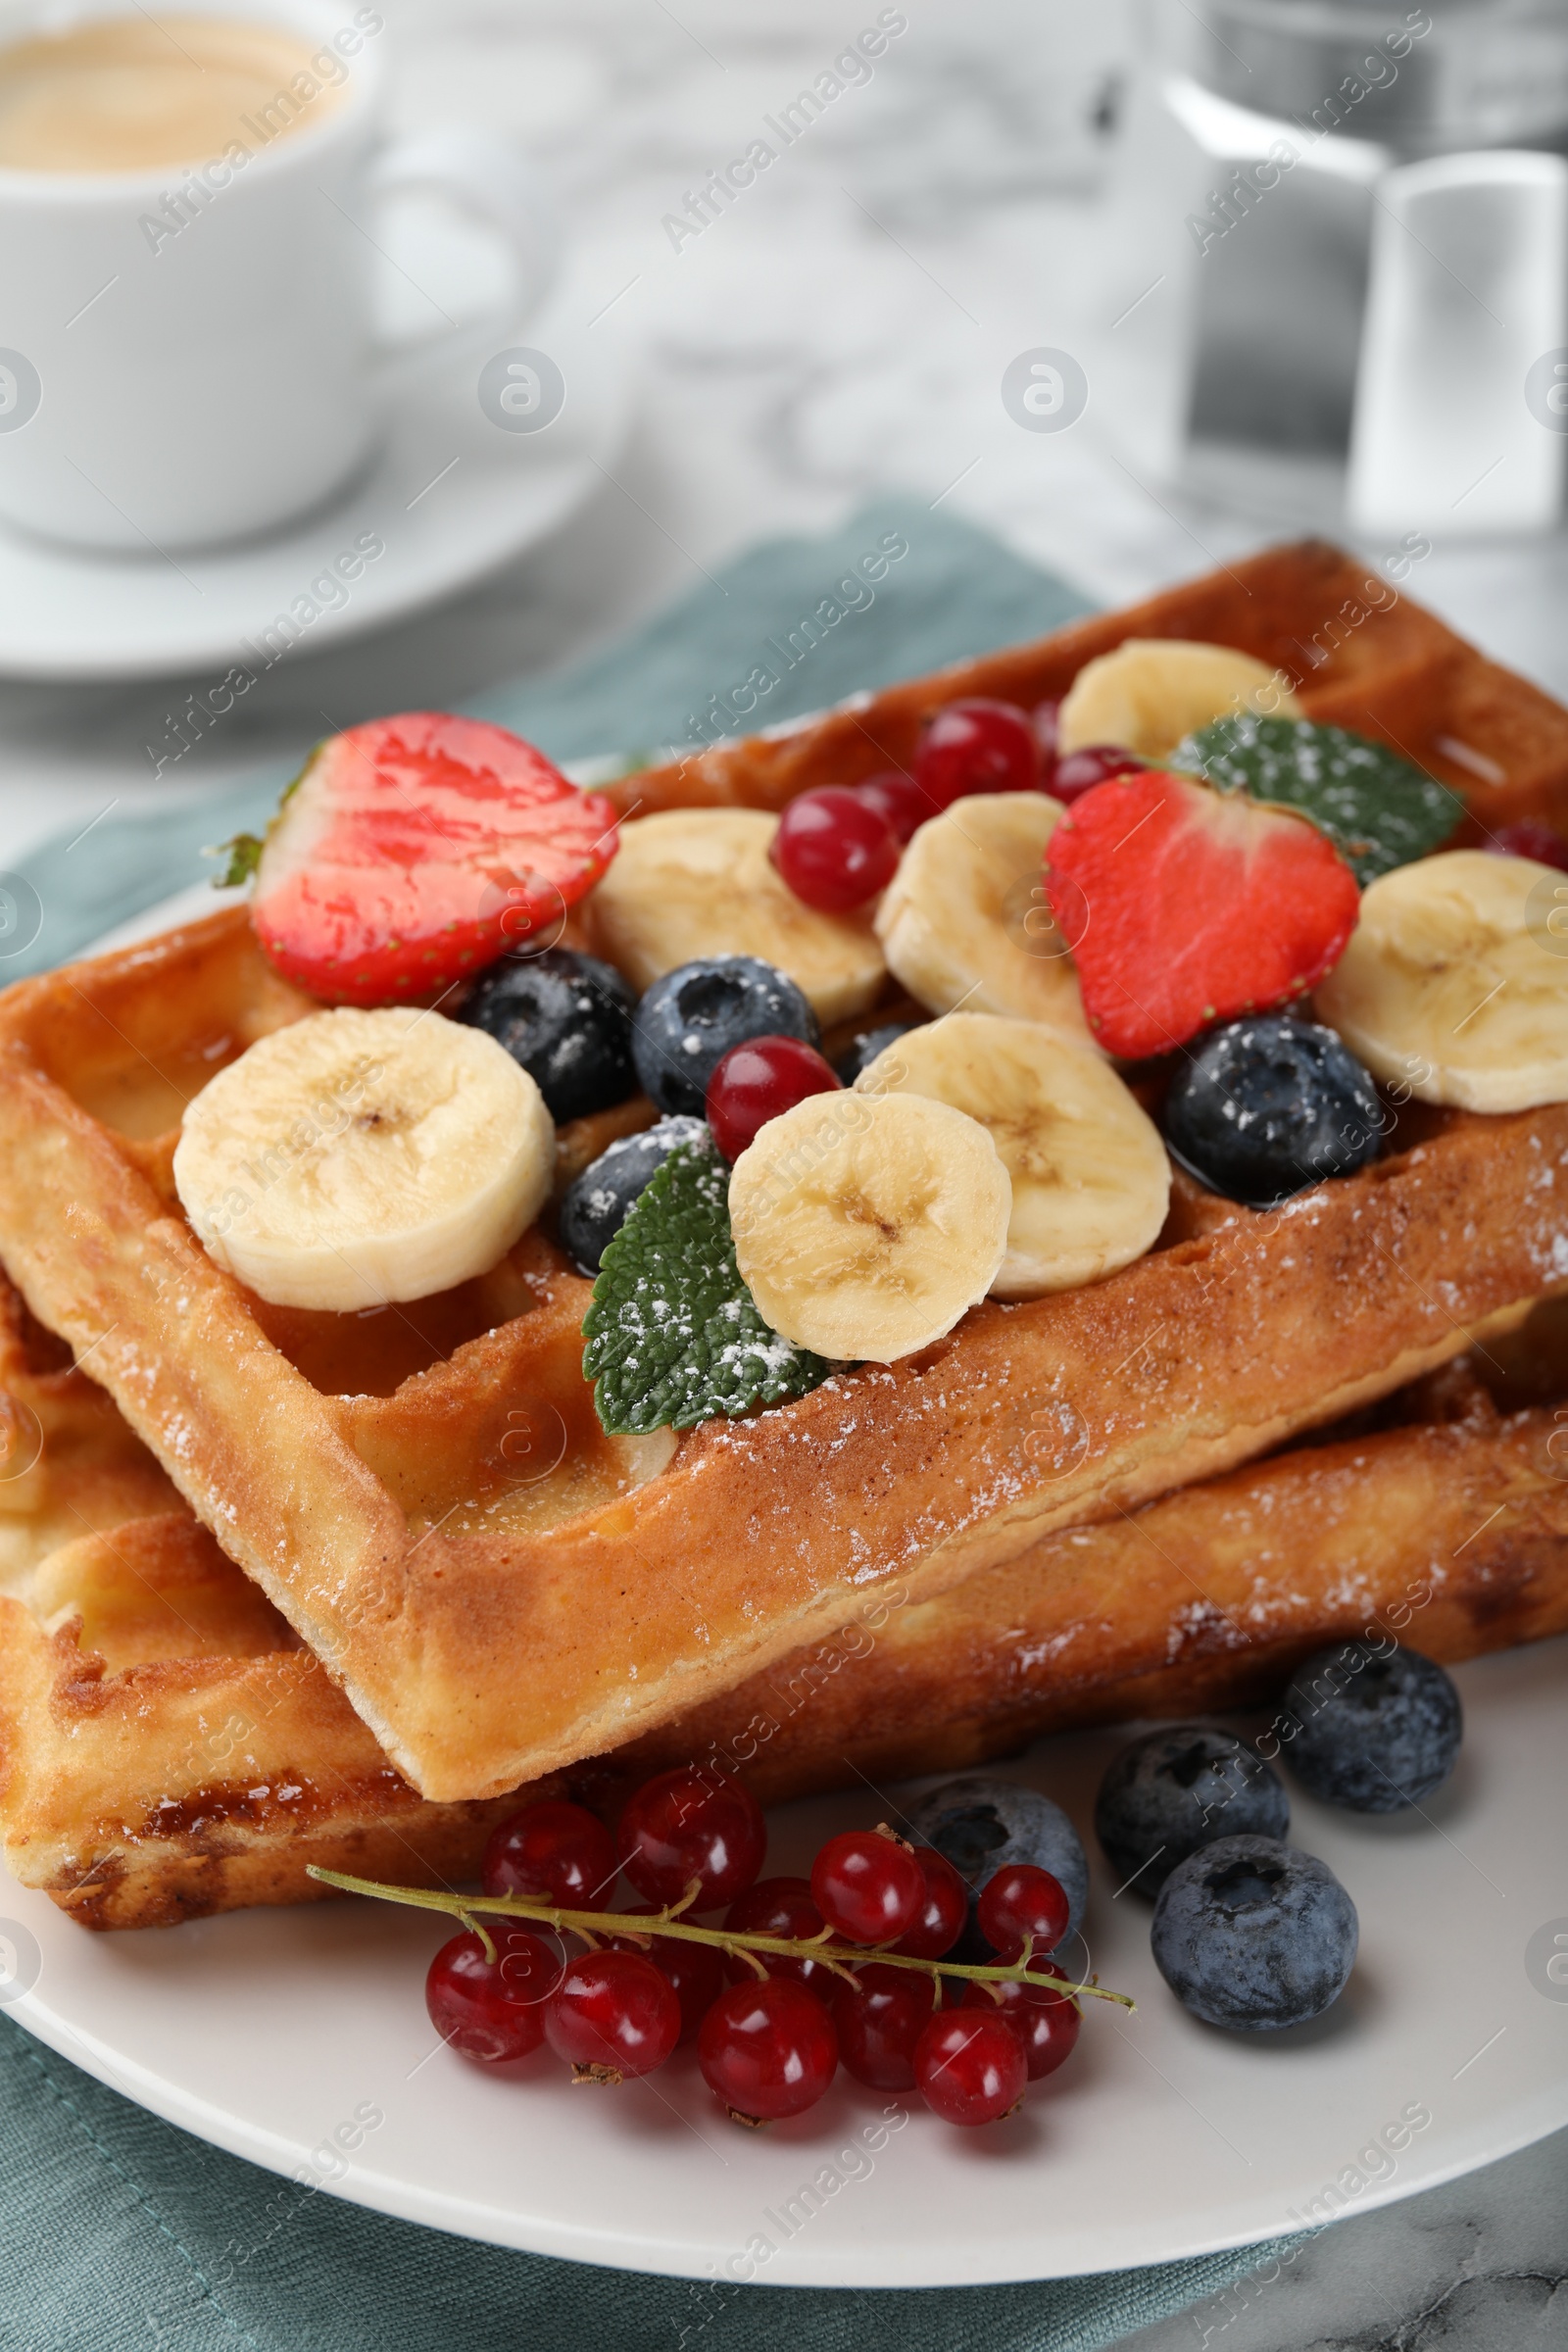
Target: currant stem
(841, 1957)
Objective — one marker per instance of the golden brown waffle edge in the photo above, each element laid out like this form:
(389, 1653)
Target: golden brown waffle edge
(168, 1749)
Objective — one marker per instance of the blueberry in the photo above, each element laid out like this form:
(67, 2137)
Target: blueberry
(1268, 1105)
(1253, 1936)
(688, 1021)
(566, 1019)
(1174, 1790)
(1374, 1730)
(984, 1826)
(597, 1202)
(864, 1049)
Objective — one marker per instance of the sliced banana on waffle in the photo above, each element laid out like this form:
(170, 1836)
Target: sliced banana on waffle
(1091, 1180)
(1151, 691)
(864, 1226)
(965, 920)
(691, 882)
(358, 1157)
(1455, 982)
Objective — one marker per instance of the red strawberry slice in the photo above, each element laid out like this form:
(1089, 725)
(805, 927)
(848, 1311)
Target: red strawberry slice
(1186, 906)
(411, 851)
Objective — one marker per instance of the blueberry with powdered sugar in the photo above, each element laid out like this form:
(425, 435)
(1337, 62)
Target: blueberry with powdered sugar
(691, 1018)
(1269, 1105)
(563, 1017)
(598, 1201)
(862, 1051)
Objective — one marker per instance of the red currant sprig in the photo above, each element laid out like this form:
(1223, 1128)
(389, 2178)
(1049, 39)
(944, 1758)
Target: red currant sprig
(765, 2041)
(639, 1926)
(849, 1967)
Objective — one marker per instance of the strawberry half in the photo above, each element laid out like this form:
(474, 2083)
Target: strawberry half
(411, 851)
(1185, 906)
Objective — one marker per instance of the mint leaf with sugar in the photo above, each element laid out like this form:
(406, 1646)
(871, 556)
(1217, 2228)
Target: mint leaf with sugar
(673, 1334)
(1378, 810)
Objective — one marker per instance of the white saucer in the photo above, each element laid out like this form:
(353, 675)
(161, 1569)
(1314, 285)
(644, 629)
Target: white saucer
(263, 2031)
(451, 497)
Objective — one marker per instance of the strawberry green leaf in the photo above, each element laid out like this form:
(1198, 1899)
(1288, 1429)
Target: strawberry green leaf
(673, 1334)
(244, 855)
(1378, 810)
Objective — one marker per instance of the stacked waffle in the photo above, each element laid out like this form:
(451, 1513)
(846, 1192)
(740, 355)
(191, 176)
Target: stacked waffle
(288, 1587)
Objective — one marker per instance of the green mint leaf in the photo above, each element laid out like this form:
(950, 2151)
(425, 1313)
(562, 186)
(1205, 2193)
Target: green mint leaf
(244, 855)
(1378, 810)
(673, 1334)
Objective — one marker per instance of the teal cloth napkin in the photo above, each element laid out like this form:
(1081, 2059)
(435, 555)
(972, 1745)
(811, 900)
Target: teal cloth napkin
(119, 2231)
(818, 617)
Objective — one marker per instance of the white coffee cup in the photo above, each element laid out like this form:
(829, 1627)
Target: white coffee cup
(189, 356)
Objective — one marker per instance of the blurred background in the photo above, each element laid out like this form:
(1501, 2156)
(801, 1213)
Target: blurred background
(991, 189)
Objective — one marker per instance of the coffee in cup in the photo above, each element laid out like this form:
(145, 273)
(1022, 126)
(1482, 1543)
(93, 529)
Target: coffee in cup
(135, 94)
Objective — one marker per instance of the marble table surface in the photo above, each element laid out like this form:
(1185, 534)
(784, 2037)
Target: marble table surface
(842, 328)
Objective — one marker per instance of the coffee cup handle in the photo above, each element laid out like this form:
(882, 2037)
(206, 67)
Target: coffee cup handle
(486, 177)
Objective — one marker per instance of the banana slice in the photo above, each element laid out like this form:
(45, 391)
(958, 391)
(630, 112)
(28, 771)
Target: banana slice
(965, 920)
(1091, 1182)
(865, 1225)
(694, 882)
(357, 1157)
(1455, 981)
(1151, 691)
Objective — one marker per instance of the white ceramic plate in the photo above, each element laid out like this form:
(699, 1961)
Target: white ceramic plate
(269, 2032)
(450, 497)
(266, 2032)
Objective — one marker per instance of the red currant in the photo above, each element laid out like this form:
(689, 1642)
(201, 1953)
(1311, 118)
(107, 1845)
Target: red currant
(1046, 2023)
(755, 1082)
(767, 2049)
(492, 2009)
(977, 746)
(559, 1852)
(880, 2018)
(692, 1824)
(780, 1908)
(939, 1921)
(1078, 772)
(1048, 730)
(834, 849)
(867, 1886)
(696, 1971)
(1530, 838)
(897, 800)
(1019, 1901)
(613, 2014)
(970, 2066)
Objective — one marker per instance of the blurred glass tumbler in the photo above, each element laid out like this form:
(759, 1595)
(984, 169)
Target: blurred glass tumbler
(1338, 241)
(187, 345)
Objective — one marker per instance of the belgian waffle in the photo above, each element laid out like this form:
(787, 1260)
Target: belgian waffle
(168, 1746)
(490, 1624)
